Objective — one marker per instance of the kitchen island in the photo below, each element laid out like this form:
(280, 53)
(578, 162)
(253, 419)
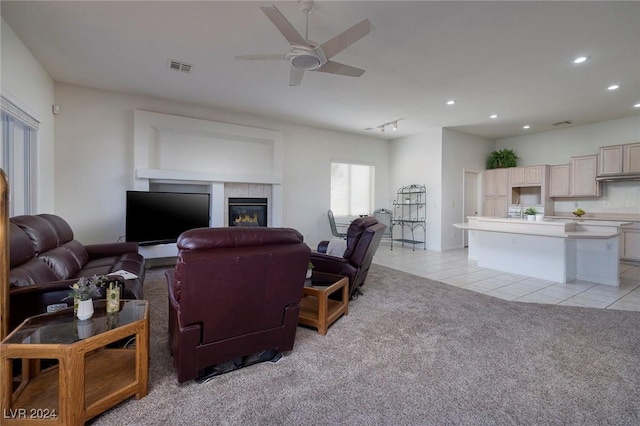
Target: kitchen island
(555, 250)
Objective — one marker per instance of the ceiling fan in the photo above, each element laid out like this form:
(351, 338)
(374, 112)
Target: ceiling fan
(306, 55)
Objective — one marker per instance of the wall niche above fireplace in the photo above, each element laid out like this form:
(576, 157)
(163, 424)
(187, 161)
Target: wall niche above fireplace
(231, 160)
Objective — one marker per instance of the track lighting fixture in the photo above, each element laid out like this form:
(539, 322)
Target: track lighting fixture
(393, 124)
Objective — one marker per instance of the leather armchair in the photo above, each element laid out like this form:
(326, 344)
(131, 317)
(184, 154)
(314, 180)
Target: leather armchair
(363, 238)
(234, 292)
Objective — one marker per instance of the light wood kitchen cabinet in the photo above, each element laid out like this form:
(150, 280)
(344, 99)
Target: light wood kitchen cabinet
(489, 178)
(583, 176)
(516, 176)
(559, 180)
(530, 175)
(495, 206)
(619, 159)
(611, 160)
(496, 187)
(495, 183)
(631, 157)
(630, 243)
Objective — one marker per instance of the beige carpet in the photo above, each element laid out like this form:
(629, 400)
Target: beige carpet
(415, 352)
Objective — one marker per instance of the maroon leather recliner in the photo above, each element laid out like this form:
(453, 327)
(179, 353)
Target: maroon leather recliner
(234, 292)
(363, 238)
(45, 260)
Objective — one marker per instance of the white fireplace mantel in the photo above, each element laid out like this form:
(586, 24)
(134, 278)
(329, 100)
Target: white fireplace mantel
(166, 176)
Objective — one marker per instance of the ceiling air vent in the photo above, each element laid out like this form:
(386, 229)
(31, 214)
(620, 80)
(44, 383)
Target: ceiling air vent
(562, 123)
(180, 66)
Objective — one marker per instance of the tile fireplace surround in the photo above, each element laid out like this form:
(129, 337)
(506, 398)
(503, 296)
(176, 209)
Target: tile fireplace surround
(173, 153)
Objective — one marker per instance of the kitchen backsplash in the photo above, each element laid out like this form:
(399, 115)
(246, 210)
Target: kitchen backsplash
(617, 197)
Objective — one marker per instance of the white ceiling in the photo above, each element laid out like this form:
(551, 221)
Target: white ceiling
(510, 58)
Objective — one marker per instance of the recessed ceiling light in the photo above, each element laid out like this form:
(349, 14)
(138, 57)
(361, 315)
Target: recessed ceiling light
(451, 102)
(637, 105)
(613, 87)
(493, 116)
(526, 126)
(580, 59)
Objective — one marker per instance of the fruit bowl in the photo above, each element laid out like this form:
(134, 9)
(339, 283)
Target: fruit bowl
(579, 213)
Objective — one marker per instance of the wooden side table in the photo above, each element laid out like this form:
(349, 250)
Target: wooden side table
(316, 309)
(90, 376)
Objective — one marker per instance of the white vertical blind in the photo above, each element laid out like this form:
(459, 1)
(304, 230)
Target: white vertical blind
(18, 157)
(352, 188)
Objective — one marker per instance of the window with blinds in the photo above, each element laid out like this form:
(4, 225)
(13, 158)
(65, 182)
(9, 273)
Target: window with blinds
(18, 157)
(352, 188)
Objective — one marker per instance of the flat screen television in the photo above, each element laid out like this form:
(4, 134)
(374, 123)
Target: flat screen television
(160, 217)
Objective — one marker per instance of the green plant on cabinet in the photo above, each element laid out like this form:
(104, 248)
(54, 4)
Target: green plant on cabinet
(502, 159)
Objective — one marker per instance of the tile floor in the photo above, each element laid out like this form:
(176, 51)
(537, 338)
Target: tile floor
(453, 267)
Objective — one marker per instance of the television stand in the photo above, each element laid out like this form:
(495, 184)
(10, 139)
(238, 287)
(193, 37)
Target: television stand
(157, 251)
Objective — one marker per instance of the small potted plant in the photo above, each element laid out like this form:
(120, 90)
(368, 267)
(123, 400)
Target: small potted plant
(83, 293)
(531, 212)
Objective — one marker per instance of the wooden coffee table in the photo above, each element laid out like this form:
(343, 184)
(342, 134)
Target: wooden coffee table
(316, 309)
(91, 374)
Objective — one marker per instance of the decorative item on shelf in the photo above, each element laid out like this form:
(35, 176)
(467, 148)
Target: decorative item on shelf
(309, 270)
(502, 159)
(113, 297)
(539, 217)
(82, 293)
(85, 309)
(579, 213)
(531, 213)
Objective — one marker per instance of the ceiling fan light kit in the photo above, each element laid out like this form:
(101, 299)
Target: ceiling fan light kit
(306, 55)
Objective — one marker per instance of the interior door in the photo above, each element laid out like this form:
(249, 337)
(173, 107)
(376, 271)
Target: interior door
(471, 202)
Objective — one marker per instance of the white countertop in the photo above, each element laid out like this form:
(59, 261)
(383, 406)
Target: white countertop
(547, 228)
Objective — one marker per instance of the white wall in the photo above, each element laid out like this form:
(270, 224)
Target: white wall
(418, 160)
(27, 84)
(558, 146)
(94, 161)
(460, 152)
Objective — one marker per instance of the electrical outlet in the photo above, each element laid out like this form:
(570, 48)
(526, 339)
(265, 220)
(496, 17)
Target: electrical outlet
(609, 246)
(514, 240)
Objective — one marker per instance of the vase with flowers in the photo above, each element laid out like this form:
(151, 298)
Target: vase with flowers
(83, 293)
(309, 270)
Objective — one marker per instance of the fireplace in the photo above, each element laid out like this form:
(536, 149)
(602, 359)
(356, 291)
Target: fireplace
(247, 212)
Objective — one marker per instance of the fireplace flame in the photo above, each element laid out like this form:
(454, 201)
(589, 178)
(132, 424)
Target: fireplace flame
(245, 218)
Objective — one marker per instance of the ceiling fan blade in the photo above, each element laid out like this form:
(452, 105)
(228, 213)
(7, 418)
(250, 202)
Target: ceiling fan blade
(296, 76)
(346, 38)
(284, 26)
(259, 57)
(342, 69)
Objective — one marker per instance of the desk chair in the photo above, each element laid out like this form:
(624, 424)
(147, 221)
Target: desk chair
(385, 216)
(334, 226)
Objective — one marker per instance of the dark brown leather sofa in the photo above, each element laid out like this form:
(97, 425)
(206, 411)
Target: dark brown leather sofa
(234, 292)
(363, 238)
(45, 259)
